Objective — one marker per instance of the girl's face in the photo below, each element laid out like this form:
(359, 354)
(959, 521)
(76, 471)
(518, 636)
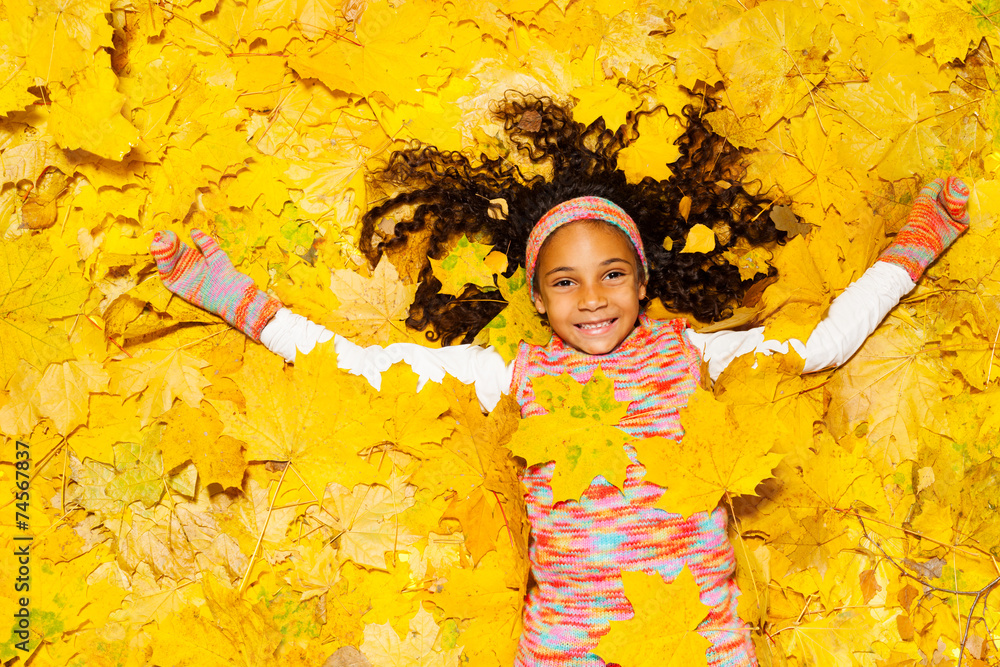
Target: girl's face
(589, 284)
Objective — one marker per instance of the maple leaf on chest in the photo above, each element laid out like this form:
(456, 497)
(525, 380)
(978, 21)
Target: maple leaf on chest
(578, 433)
(724, 450)
(662, 632)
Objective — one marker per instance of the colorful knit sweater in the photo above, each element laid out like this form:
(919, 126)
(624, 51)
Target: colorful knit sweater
(580, 547)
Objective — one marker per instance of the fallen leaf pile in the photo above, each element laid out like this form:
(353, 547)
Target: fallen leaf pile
(196, 501)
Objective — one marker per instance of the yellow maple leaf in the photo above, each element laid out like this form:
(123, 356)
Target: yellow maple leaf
(414, 420)
(662, 631)
(87, 114)
(260, 179)
(195, 435)
(59, 37)
(226, 630)
(578, 433)
(111, 420)
(700, 469)
(948, 23)
(694, 61)
(774, 388)
(317, 419)
(421, 646)
(14, 96)
(473, 455)
(891, 383)
(19, 412)
(159, 376)
(650, 154)
(892, 105)
(518, 321)
(603, 100)
(371, 310)
(753, 578)
(771, 57)
(36, 287)
(797, 302)
(806, 157)
(700, 239)
(138, 471)
(65, 603)
(313, 18)
(64, 392)
(481, 519)
(740, 131)
(494, 610)
(371, 62)
(366, 518)
(465, 265)
(824, 641)
(751, 261)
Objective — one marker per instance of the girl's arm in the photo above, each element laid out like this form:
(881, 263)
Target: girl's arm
(852, 317)
(938, 216)
(289, 333)
(205, 277)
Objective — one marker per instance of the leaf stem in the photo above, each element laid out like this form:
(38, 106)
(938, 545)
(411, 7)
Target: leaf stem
(993, 351)
(912, 533)
(260, 539)
(809, 88)
(510, 534)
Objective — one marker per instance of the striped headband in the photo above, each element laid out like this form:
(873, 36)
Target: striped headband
(573, 210)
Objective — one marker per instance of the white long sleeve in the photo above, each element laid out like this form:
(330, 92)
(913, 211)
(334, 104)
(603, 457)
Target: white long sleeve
(288, 333)
(852, 317)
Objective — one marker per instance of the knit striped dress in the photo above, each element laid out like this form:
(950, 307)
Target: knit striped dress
(580, 547)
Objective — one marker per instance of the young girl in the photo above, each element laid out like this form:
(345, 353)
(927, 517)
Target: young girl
(593, 248)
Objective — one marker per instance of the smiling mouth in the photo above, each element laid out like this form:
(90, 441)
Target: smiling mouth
(596, 326)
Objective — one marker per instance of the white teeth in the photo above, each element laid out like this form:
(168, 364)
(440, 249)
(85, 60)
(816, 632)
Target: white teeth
(596, 325)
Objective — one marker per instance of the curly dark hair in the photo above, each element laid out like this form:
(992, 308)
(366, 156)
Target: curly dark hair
(436, 196)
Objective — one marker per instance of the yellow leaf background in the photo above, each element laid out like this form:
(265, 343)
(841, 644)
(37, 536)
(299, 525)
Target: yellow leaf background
(310, 537)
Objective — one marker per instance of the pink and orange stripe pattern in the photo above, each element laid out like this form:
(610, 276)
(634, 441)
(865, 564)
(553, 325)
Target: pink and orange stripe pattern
(580, 547)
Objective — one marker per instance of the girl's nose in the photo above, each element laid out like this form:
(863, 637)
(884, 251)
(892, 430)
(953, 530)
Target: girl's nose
(592, 297)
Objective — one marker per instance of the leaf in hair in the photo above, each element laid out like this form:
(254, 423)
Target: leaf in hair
(649, 155)
(519, 321)
(469, 263)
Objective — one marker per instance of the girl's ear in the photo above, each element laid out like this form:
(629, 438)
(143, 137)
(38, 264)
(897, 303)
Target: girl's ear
(642, 290)
(539, 304)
